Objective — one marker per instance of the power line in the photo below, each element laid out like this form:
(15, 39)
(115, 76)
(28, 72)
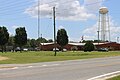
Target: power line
(18, 6)
(7, 9)
(13, 4)
(10, 10)
(19, 9)
(13, 1)
(14, 19)
(50, 2)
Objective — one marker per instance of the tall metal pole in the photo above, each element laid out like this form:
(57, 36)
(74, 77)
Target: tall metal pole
(54, 30)
(98, 37)
(109, 27)
(39, 43)
(99, 30)
(117, 39)
(38, 19)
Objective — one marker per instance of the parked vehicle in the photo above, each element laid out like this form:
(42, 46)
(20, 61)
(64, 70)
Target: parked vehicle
(64, 50)
(56, 49)
(25, 49)
(103, 49)
(17, 49)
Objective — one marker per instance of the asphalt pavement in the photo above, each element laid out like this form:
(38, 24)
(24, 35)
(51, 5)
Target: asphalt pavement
(61, 70)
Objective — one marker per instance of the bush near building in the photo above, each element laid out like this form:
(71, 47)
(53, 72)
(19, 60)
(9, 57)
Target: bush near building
(89, 46)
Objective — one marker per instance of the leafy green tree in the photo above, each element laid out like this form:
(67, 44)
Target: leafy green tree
(21, 37)
(11, 41)
(85, 41)
(42, 40)
(28, 43)
(4, 36)
(39, 41)
(33, 43)
(62, 38)
(50, 40)
(89, 46)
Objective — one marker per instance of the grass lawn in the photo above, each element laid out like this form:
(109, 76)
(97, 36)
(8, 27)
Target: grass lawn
(115, 78)
(47, 56)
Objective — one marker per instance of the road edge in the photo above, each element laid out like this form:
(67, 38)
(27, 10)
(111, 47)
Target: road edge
(105, 76)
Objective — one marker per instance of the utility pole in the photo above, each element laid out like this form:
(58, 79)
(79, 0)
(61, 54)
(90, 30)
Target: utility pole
(54, 30)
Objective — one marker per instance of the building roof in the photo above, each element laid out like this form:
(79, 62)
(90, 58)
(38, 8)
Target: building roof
(75, 44)
(80, 44)
(46, 43)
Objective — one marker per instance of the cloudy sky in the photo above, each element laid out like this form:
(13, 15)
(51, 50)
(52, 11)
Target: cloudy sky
(78, 17)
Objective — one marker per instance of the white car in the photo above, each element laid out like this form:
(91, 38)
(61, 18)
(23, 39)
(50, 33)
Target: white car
(64, 50)
(25, 49)
(56, 49)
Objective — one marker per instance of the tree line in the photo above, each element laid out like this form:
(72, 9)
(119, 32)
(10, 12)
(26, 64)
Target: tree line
(20, 39)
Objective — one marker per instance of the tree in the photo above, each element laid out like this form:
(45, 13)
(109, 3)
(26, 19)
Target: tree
(33, 43)
(4, 36)
(28, 43)
(85, 41)
(89, 46)
(21, 37)
(62, 38)
(74, 48)
(42, 40)
(11, 41)
(50, 40)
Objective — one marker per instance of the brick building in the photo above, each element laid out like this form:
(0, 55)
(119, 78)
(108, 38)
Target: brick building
(79, 46)
(110, 45)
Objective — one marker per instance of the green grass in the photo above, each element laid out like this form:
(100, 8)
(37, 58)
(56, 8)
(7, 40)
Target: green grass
(47, 56)
(115, 78)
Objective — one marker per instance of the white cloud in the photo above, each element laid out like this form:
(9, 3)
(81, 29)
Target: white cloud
(86, 37)
(92, 29)
(65, 9)
(91, 32)
(61, 27)
(11, 34)
(14, 27)
(92, 5)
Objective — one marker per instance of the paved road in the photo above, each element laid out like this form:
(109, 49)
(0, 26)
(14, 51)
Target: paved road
(63, 70)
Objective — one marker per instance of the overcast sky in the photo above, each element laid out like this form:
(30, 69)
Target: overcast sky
(78, 17)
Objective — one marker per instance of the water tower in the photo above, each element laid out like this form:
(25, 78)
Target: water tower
(103, 27)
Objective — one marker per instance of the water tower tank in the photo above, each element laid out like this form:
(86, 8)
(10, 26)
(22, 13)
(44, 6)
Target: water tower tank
(103, 10)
